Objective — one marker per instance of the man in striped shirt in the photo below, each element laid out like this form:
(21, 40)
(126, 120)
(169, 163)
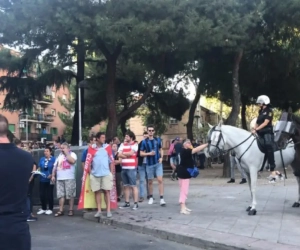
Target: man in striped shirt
(128, 153)
(152, 149)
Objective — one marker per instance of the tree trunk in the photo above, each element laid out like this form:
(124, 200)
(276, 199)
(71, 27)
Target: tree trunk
(243, 112)
(190, 123)
(236, 103)
(112, 125)
(236, 94)
(123, 126)
(80, 77)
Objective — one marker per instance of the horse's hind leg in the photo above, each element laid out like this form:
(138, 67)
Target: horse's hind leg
(253, 177)
(297, 203)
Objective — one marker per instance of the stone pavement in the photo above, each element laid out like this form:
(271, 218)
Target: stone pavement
(219, 219)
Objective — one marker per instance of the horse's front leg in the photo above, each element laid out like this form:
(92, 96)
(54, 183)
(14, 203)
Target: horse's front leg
(253, 177)
(297, 203)
(249, 183)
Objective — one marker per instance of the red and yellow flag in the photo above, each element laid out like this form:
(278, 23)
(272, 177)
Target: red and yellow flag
(87, 196)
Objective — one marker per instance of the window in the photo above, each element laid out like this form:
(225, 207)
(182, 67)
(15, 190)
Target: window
(54, 131)
(53, 94)
(12, 128)
(53, 112)
(64, 98)
(173, 121)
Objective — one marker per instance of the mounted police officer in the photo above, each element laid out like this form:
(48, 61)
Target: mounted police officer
(264, 129)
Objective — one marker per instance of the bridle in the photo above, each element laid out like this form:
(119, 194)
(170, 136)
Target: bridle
(221, 151)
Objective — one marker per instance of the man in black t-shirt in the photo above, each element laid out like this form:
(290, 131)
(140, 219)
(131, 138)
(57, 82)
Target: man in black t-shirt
(16, 167)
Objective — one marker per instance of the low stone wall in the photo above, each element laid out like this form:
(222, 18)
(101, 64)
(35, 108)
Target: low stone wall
(38, 154)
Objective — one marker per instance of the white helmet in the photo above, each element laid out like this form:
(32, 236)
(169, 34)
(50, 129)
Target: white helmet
(263, 99)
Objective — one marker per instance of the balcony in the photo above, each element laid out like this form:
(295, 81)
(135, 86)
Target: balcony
(40, 118)
(46, 99)
(36, 136)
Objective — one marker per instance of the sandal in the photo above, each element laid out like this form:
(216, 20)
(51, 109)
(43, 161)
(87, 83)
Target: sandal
(59, 213)
(71, 213)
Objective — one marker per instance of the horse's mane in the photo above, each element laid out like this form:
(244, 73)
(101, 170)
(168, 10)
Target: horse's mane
(246, 132)
(295, 118)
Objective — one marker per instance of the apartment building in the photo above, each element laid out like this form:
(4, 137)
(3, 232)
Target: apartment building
(42, 121)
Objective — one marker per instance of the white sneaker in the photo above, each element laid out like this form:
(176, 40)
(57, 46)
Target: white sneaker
(162, 202)
(48, 212)
(41, 212)
(150, 202)
(97, 215)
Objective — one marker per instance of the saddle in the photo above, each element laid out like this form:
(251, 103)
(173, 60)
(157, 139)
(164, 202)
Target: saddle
(261, 145)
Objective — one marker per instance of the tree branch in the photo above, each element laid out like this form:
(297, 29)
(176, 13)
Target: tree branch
(74, 62)
(101, 45)
(142, 100)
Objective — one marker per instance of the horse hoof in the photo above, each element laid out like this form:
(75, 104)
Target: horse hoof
(296, 204)
(248, 209)
(252, 212)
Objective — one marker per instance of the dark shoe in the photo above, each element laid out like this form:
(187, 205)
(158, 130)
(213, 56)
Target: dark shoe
(243, 181)
(231, 181)
(141, 199)
(126, 205)
(118, 199)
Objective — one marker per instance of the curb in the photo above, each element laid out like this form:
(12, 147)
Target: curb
(162, 234)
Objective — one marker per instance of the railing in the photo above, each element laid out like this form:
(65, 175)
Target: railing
(36, 136)
(46, 98)
(38, 117)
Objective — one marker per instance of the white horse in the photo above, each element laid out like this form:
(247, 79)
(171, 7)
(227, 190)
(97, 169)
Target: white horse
(223, 138)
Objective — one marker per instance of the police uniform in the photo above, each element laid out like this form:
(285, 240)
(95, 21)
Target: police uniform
(267, 134)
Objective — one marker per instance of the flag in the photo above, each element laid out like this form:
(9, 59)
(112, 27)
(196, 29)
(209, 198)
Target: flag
(87, 196)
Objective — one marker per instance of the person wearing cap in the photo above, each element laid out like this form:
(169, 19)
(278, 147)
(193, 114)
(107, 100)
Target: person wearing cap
(173, 158)
(264, 129)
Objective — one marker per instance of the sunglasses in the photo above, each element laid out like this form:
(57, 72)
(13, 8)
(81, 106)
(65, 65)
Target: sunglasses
(150, 130)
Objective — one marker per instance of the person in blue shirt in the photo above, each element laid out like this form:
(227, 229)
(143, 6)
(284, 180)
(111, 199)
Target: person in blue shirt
(46, 165)
(152, 149)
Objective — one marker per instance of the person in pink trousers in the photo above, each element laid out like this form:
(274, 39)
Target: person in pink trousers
(183, 174)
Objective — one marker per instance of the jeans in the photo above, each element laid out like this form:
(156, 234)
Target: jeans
(143, 178)
(154, 171)
(14, 232)
(129, 177)
(46, 195)
(29, 198)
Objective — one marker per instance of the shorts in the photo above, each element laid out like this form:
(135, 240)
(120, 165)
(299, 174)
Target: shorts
(66, 188)
(101, 183)
(154, 170)
(129, 177)
(174, 160)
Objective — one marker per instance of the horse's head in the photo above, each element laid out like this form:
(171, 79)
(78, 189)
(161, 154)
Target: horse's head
(216, 142)
(285, 129)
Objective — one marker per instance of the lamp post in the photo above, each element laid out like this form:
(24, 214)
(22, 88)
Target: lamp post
(82, 84)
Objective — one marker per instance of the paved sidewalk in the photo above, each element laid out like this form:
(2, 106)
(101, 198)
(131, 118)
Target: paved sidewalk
(219, 219)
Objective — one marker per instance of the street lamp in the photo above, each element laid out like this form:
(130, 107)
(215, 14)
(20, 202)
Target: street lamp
(82, 84)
